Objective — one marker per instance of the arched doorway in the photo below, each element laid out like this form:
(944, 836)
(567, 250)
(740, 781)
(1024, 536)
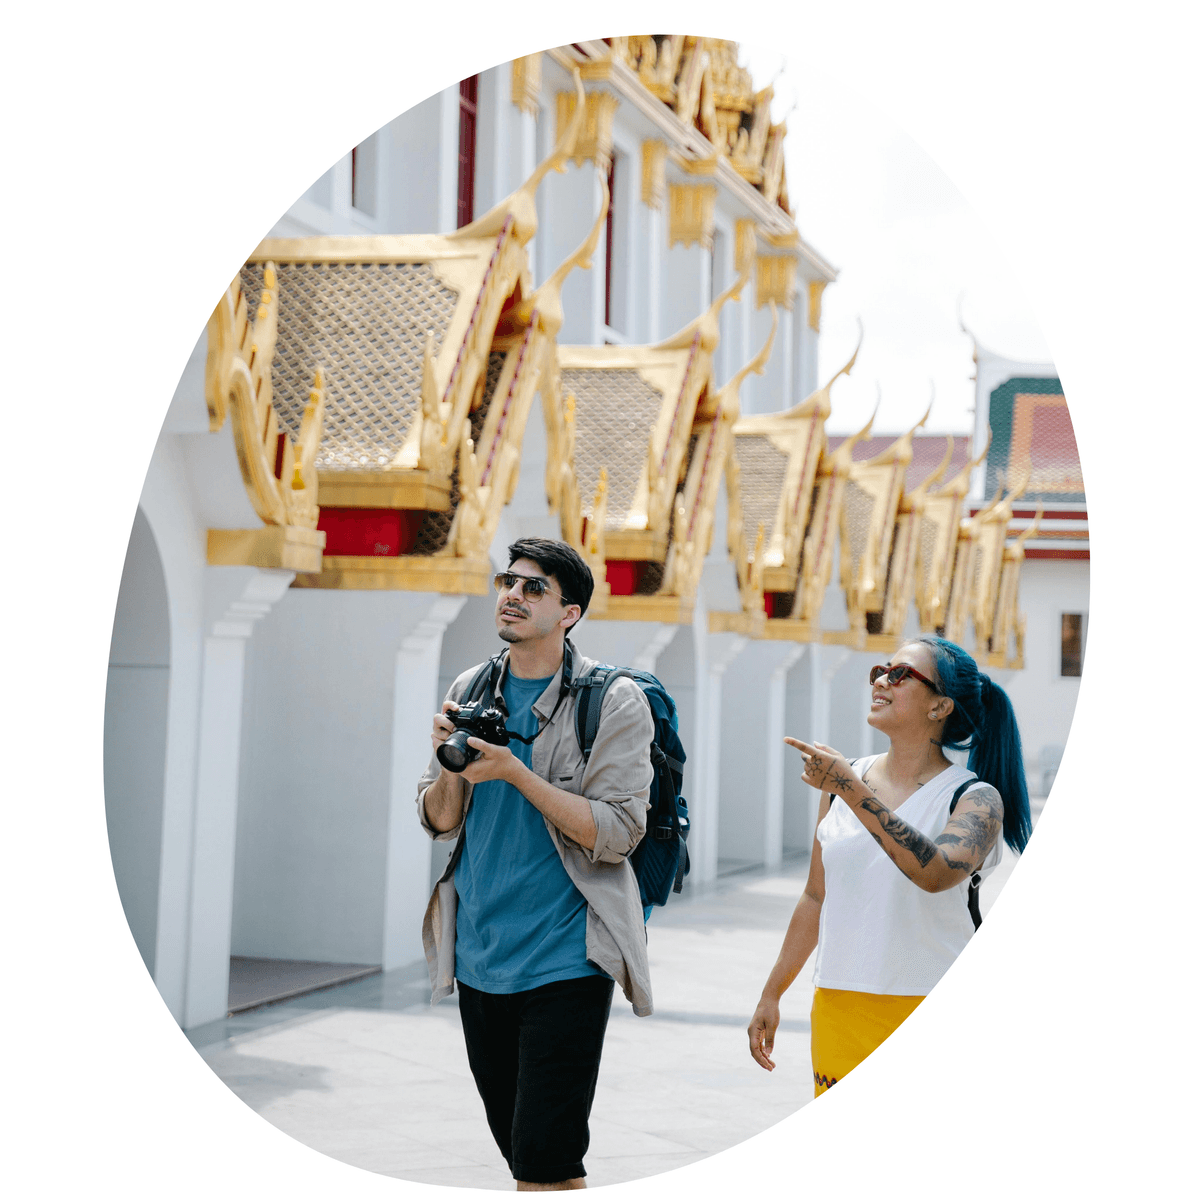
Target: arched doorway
(135, 734)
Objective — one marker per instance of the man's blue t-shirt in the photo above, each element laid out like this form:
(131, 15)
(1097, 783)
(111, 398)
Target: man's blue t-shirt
(521, 922)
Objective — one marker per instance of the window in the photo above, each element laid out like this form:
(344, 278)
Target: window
(617, 251)
(468, 111)
(363, 175)
(1074, 642)
(608, 240)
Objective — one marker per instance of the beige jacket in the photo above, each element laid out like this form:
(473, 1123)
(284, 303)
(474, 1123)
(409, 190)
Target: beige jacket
(617, 784)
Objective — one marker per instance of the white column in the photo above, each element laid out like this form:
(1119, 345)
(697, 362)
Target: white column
(406, 890)
(826, 662)
(866, 742)
(654, 271)
(598, 274)
(447, 168)
(776, 728)
(237, 598)
(647, 657)
(723, 648)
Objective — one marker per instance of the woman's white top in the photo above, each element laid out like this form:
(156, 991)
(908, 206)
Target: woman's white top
(879, 932)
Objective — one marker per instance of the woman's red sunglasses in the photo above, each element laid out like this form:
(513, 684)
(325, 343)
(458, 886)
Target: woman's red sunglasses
(901, 671)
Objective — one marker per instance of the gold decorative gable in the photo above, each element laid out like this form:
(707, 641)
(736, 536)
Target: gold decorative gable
(643, 429)
(1006, 646)
(276, 464)
(977, 564)
(989, 565)
(937, 546)
(885, 630)
(867, 524)
(772, 484)
(431, 348)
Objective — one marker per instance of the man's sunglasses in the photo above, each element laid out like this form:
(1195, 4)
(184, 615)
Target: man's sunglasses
(534, 588)
(899, 672)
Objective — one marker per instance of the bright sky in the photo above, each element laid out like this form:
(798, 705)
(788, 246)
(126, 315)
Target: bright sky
(908, 249)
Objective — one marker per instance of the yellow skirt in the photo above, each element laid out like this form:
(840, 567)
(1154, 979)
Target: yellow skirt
(847, 1026)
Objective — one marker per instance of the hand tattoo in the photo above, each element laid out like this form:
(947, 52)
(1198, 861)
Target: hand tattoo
(841, 782)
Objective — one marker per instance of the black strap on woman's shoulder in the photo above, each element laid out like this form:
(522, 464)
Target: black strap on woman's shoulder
(976, 878)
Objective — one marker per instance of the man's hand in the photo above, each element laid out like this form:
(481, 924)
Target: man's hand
(494, 762)
(443, 727)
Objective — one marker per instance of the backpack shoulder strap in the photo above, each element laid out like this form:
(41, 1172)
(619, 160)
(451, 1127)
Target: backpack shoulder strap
(592, 688)
(976, 878)
(485, 680)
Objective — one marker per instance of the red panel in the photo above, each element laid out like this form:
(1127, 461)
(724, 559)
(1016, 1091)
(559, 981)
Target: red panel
(372, 531)
(623, 576)
(769, 603)
(1031, 552)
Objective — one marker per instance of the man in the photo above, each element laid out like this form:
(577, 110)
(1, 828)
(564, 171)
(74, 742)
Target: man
(538, 911)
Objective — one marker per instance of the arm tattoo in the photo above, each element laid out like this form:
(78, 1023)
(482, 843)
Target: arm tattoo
(974, 832)
(903, 834)
(841, 782)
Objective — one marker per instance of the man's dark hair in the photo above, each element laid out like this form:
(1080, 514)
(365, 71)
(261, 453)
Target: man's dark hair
(558, 559)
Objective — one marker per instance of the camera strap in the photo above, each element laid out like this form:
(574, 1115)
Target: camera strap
(493, 678)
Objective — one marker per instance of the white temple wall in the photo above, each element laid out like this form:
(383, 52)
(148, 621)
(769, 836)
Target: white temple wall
(317, 799)
(1043, 699)
(567, 209)
(686, 277)
(411, 201)
(135, 734)
(753, 722)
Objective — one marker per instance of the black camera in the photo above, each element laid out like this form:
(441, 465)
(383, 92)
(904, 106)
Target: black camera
(471, 720)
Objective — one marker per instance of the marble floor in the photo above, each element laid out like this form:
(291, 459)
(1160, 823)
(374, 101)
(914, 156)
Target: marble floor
(370, 1074)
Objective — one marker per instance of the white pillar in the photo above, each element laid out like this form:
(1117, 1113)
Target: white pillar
(776, 728)
(447, 167)
(654, 266)
(723, 648)
(406, 890)
(826, 661)
(647, 657)
(237, 598)
(866, 743)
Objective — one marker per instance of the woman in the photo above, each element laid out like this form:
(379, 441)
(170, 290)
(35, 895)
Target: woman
(885, 932)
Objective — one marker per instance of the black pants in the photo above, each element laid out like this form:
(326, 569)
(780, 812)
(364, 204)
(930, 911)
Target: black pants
(535, 1056)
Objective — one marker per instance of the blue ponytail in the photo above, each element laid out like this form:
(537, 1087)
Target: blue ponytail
(984, 723)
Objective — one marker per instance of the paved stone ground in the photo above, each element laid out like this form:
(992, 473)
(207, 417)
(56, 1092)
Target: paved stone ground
(369, 1074)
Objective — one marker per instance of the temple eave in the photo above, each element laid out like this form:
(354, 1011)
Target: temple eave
(411, 489)
(403, 573)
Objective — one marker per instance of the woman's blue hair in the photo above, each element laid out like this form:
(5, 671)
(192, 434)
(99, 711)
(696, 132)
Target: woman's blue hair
(984, 723)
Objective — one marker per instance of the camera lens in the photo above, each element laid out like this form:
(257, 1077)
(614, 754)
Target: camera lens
(454, 753)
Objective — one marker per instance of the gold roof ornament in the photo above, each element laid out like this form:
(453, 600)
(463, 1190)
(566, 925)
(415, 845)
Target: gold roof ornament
(989, 564)
(1006, 646)
(816, 567)
(276, 464)
(975, 560)
(431, 349)
(748, 564)
(701, 80)
(902, 567)
(867, 524)
(937, 545)
(772, 478)
(642, 413)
